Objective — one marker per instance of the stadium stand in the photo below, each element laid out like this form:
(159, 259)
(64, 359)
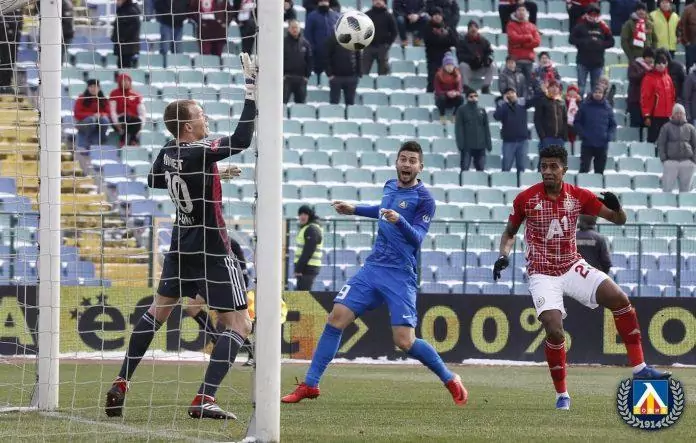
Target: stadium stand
(333, 152)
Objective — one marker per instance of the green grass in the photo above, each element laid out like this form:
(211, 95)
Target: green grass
(359, 403)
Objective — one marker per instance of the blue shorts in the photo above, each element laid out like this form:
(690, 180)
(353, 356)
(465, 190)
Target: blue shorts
(373, 286)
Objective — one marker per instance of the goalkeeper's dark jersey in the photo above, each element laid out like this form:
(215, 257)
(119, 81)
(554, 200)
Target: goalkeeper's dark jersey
(190, 173)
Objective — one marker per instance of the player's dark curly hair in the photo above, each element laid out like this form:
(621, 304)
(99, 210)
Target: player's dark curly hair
(411, 146)
(554, 151)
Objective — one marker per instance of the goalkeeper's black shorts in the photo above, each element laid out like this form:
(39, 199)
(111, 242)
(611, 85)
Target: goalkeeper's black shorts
(219, 280)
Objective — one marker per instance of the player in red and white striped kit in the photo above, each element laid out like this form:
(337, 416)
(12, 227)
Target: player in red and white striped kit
(550, 210)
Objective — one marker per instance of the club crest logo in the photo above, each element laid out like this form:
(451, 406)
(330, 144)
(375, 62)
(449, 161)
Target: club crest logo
(568, 204)
(403, 204)
(650, 404)
(539, 302)
(426, 218)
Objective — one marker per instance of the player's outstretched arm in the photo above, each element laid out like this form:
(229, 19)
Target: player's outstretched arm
(155, 179)
(416, 232)
(344, 208)
(611, 209)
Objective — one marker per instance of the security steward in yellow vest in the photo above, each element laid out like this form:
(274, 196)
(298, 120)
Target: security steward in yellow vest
(308, 248)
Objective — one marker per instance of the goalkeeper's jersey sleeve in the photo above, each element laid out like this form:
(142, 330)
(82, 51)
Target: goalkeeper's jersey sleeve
(397, 244)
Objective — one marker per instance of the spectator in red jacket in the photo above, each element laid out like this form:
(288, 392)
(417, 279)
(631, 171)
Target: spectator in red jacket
(657, 98)
(127, 110)
(91, 116)
(211, 18)
(523, 38)
(507, 8)
(448, 87)
(576, 9)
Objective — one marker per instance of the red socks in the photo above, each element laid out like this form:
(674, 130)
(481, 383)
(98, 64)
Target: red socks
(556, 358)
(626, 322)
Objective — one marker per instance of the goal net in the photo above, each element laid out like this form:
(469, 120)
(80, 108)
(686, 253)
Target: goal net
(121, 63)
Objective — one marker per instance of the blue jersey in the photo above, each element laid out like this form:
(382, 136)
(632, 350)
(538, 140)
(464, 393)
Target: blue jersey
(397, 244)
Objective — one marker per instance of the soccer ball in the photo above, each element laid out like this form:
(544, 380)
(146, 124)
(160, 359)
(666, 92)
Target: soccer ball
(354, 30)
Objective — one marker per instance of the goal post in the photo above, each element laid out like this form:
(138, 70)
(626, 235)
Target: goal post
(269, 219)
(49, 268)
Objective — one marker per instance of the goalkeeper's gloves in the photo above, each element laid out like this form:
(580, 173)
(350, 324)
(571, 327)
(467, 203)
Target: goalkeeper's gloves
(611, 201)
(250, 71)
(502, 263)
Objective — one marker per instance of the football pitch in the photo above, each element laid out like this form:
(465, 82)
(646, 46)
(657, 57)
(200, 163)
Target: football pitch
(375, 403)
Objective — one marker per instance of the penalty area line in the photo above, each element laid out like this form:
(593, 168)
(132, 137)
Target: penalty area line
(124, 428)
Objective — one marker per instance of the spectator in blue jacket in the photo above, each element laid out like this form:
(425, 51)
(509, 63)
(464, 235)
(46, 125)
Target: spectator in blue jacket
(620, 11)
(512, 113)
(596, 124)
(410, 17)
(319, 26)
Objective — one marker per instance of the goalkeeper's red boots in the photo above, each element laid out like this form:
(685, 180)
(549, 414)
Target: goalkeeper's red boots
(302, 391)
(458, 391)
(116, 397)
(204, 406)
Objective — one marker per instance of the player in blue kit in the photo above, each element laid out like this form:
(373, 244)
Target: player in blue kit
(388, 276)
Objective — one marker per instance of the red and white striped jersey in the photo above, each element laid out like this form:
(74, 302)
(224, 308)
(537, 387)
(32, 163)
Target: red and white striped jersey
(550, 226)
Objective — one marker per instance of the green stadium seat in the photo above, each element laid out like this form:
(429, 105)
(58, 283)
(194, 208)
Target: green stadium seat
(504, 180)
(348, 193)
(345, 128)
(328, 144)
(510, 195)
(453, 161)
(314, 192)
(375, 99)
(374, 129)
(291, 157)
(618, 149)
(373, 160)
(366, 82)
(344, 159)
(426, 100)
(625, 245)
(687, 246)
(487, 197)
(358, 144)
(634, 199)
(663, 200)
(302, 111)
(358, 175)
(654, 245)
(591, 181)
(388, 114)
(647, 182)
(316, 158)
(238, 210)
(461, 195)
(679, 216)
(170, 93)
(291, 192)
(370, 193)
(331, 112)
(474, 178)
(329, 175)
(477, 242)
(414, 53)
(444, 146)
(653, 166)
(299, 174)
(206, 62)
(88, 60)
(178, 61)
(651, 215)
(357, 241)
(430, 130)
(529, 178)
(218, 78)
(359, 113)
(617, 182)
(396, 53)
(446, 178)
(317, 96)
(439, 194)
(417, 114)
(153, 138)
(388, 82)
(292, 127)
(402, 130)
(499, 214)
(204, 94)
(630, 164)
(316, 127)
(402, 66)
(447, 242)
(387, 145)
(687, 200)
(475, 213)
(642, 149)
(436, 161)
(626, 133)
(163, 78)
(402, 99)
(415, 82)
(300, 142)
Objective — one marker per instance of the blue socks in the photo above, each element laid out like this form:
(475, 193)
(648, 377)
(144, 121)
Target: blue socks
(327, 347)
(426, 354)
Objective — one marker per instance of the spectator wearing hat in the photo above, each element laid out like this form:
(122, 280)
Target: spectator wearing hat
(609, 89)
(636, 72)
(507, 8)
(439, 38)
(311, 5)
(385, 35)
(638, 33)
(450, 11)
(666, 23)
(596, 125)
(448, 87)
(289, 12)
(512, 113)
(619, 12)
(128, 113)
(592, 245)
(544, 73)
(410, 17)
(551, 117)
(475, 57)
(91, 116)
(510, 77)
(676, 148)
(576, 10)
(657, 97)
(523, 38)
(308, 248)
(592, 37)
(572, 100)
(472, 133)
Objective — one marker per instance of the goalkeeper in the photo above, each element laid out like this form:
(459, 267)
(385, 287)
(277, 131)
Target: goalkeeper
(198, 260)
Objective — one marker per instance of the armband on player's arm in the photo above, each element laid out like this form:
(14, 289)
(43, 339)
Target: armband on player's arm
(367, 211)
